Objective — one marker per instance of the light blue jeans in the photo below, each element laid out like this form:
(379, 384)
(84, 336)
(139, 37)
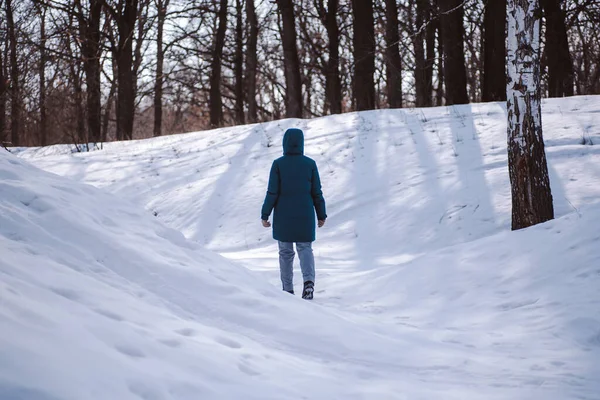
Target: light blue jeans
(286, 263)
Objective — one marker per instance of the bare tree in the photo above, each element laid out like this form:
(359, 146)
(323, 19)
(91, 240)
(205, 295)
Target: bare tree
(89, 30)
(393, 61)
(239, 63)
(424, 49)
(364, 54)
(124, 13)
(558, 56)
(439, 91)
(494, 51)
(161, 16)
(530, 184)
(82, 72)
(293, 80)
(3, 92)
(43, 128)
(251, 61)
(333, 85)
(451, 17)
(216, 102)
(15, 105)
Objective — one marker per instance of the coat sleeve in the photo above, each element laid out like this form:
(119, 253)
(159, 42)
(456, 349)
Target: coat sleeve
(317, 194)
(272, 192)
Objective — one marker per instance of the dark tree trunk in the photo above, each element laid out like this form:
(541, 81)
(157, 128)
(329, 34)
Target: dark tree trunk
(528, 171)
(143, 26)
(3, 92)
(333, 85)
(161, 6)
(494, 52)
(42, 73)
(216, 102)
(392, 55)
(425, 35)
(79, 136)
(75, 67)
(15, 105)
(107, 110)
(251, 61)
(239, 64)
(79, 109)
(111, 101)
(440, 93)
(364, 54)
(333, 64)
(430, 60)
(558, 56)
(125, 76)
(451, 18)
(293, 81)
(89, 28)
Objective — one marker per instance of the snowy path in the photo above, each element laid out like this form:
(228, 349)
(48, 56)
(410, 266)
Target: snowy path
(422, 291)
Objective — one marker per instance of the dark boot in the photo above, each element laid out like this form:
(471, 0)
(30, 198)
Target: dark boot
(289, 291)
(309, 288)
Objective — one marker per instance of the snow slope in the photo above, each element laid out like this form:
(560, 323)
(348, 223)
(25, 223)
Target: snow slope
(422, 291)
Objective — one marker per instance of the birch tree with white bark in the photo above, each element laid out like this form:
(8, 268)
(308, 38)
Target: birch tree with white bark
(528, 170)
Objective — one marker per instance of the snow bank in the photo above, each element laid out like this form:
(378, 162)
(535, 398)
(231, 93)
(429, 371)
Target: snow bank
(422, 290)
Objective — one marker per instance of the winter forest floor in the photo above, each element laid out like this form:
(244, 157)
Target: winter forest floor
(145, 273)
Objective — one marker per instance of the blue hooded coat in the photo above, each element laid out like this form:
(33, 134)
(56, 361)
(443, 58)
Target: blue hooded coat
(294, 192)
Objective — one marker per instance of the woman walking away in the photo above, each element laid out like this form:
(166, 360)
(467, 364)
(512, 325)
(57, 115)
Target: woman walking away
(295, 193)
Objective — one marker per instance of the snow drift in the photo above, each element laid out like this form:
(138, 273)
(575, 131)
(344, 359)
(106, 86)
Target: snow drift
(422, 291)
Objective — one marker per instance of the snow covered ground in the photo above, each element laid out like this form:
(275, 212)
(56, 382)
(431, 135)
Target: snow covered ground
(422, 290)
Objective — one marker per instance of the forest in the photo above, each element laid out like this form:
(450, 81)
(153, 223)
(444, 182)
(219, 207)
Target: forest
(91, 71)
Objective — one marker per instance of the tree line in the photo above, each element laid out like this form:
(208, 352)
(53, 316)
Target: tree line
(90, 71)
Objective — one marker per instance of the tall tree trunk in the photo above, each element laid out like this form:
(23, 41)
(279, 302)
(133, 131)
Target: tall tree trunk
(76, 84)
(3, 93)
(393, 60)
(89, 28)
(107, 110)
(333, 85)
(125, 76)
(42, 74)
(79, 137)
(528, 171)
(364, 54)
(440, 92)
(494, 51)
(251, 61)
(452, 13)
(81, 134)
(560, 64)
(333, 64)
(15, 104)
(239, 63)
(161, 6)
(216, 102)
(430, 60)
(293, 81)
(425, 34)
(142, 24)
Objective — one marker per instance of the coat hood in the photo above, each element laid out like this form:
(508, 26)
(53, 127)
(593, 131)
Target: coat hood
(293, 142)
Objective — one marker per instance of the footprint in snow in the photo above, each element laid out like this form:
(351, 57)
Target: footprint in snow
(66, 293)
(129, 351)
(188, 332)
(228, 342)
(109, 314)
(517, 304)
(144, 391)
(247, 369)
(173, 343)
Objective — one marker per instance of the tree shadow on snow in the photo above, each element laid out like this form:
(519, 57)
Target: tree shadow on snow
(17, 392)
